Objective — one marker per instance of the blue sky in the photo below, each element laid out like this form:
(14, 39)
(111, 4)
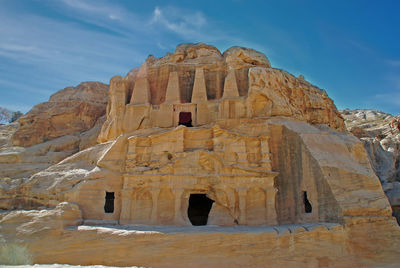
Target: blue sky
(349, 48)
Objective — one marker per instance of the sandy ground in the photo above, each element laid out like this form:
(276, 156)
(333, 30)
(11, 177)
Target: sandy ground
(59, 266)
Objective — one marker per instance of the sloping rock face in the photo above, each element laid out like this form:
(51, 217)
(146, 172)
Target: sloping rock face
(380, 133)
(71, 110)
(70, 122)
(201, 137)
(6, 131)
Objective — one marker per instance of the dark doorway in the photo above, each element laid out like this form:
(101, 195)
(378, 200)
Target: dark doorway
(185, 118)
(199, 207)
(109, 205)
(307, 204)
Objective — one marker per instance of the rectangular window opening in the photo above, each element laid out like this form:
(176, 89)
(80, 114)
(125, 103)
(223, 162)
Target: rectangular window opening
(109, 202)
(307, 204)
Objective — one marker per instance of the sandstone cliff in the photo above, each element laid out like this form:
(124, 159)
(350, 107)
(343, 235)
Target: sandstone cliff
(380, 133)
(71, 110)
(241, 79)
(287, 185)
(51, 131)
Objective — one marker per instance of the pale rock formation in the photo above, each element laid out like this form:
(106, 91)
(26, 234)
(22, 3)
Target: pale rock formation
(52, 184)
(6, 131)
(143, 100)
(301, 245)
(19, 162)
(203, 138)
(241, 57)
(380, 134)
(74, 117)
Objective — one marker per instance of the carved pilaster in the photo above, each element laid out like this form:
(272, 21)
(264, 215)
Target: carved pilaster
(242, 192)
(154, 196)
(270, 194)
(126, 196)
(178, 206)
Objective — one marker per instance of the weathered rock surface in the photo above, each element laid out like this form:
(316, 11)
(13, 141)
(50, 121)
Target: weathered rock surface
(322, 159)
(73, 117)
(203, 138)
(198, 74)
(380, 133)
(71, 110)
(54, 236)
(19, 162)
(6, 132)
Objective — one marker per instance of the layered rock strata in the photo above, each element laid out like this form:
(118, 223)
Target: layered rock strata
(203, 138)
(198, 79)
(71, 110)
(380, 133)
(51, 131)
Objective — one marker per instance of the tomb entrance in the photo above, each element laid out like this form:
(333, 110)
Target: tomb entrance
(185, 118)
(199, 208)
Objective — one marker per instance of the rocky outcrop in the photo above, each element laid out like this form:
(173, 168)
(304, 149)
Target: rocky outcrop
(71, 110)
(6, 132)
(49, 236)
(54, 184)
(28, 228)
(70, 122)
(317, 160)
(380, 133)
(240, 83)
(203, 138)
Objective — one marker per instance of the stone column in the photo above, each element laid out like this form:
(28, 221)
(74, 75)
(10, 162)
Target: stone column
(242, 192)
(126, 196)
(178, 206)
(230, 193)
(270, 194)
(154, 196)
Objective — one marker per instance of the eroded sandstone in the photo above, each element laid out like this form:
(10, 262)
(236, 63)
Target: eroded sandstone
(71, 110)
(380, 134)
(200, 137)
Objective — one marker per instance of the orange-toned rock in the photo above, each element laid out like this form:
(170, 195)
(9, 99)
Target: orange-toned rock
(71, 110)
(203, 138)
(254, 89)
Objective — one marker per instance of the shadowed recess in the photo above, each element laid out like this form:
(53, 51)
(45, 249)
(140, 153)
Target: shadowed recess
(199, 208)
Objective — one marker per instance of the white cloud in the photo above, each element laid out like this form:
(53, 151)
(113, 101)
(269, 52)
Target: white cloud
(113, 12)
(188, 24)
(16, 47)
(50, 41)
(94, 41)
(394, 63)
